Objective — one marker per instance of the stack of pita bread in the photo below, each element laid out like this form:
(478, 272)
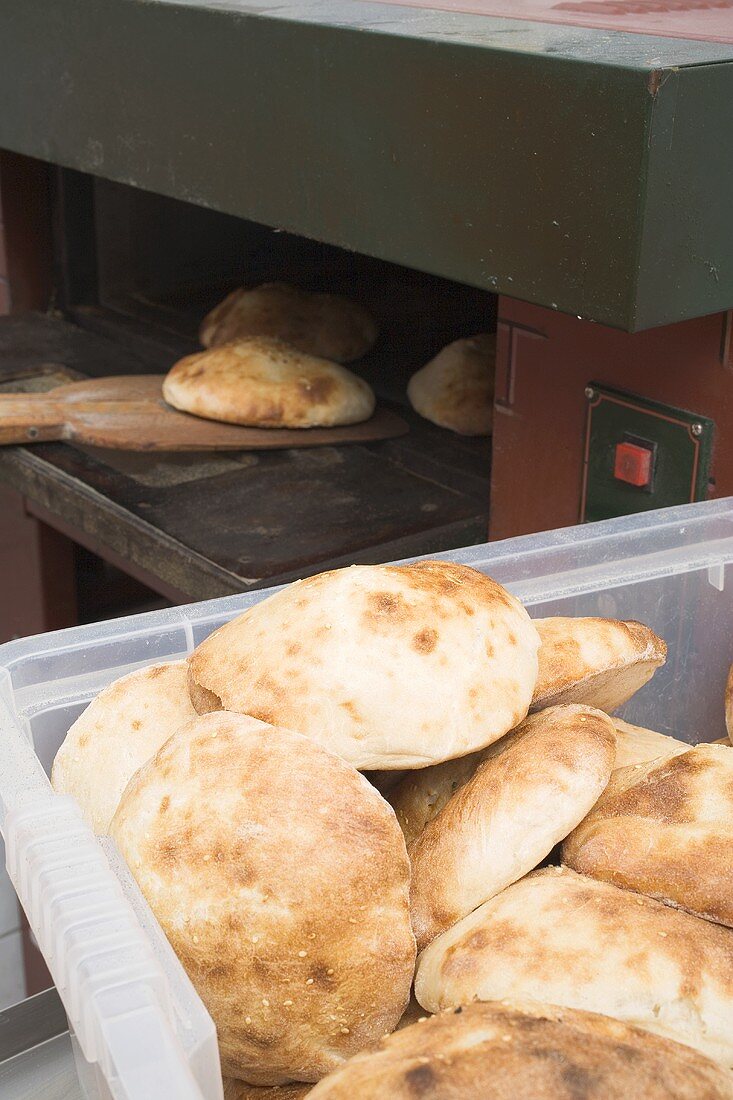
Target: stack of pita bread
(273, 360)
(553, 883)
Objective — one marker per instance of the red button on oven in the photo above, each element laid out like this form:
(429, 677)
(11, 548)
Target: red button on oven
(632, 464)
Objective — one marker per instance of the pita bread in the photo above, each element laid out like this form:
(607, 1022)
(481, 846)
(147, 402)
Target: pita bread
(561, 938)
(636, 745)
(601, 662)
(240, 1090)
(422, 794)
(324, 325)
(264, 383)
(117, 733)
(281, 879)
(389, 666)
(729, 704)
(529, 791)
(456, 389)
(664, 828)
(526, 1052)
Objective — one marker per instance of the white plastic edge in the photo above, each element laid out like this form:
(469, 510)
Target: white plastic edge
(103, 960)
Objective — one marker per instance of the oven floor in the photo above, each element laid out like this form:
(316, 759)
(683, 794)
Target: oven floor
(207, 525)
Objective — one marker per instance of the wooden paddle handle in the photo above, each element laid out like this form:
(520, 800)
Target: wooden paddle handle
(30, 420)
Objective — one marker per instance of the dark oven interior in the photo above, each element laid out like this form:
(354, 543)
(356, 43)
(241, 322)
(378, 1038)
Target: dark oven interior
(155, 266)
(134, 274)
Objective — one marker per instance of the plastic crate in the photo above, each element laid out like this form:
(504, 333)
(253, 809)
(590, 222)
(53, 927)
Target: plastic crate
(139, 1029)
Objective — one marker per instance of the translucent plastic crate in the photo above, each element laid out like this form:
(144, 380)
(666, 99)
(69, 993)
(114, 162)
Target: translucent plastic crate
(139, 1029)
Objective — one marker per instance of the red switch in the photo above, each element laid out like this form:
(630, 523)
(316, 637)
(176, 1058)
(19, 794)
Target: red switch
(633, 464)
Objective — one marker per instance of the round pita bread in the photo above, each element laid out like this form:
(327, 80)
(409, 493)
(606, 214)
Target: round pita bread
(420, 795)
(281, 879)
(240, 1090)
(117, 733)
(324, 325)
(729, 704)
(526, 1052)
(389, 666)
(601, 662)
(561, 938)
(263, 383)
(637, 745)
(456, 389)
(528, 792)
(664, 828)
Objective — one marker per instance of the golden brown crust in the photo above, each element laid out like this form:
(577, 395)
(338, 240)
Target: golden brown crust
(526, 1052)
(562, 938)
(456, 389)
(264, 383)
(529, 791)
(420, 795)
(117, 733)
(601, 662)
(281, 879)
(389, 666)
(240, 1090)
(664, 829)
(325, 325)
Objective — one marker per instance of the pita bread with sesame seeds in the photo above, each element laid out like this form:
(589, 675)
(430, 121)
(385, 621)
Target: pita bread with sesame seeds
(325, 325)
(240, 1090)
(455, 390)
(281, 879)
(529, 791)
(637, 745)
(117, 733)
(563, 938)
(388, 666)
(664, 828)
(263, 383)
(601, 662)
(526, 1051)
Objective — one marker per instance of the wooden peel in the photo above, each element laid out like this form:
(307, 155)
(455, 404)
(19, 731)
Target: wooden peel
(128, 412)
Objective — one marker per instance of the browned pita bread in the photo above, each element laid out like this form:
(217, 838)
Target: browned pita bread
(664, 828)
(528, 792)
(526, 1052)
(240, 1090)
(324, 325)
(117, 733)
(389, 666)
(264, 383)
(562, 938)
(281, 879)
(456, 389)
(601, 662)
